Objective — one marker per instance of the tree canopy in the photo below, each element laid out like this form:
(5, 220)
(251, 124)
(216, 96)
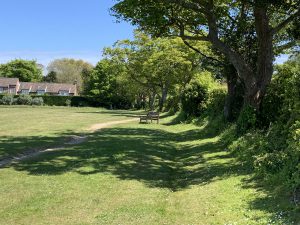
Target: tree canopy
(25, 70)
(248, 33)
(69, 70)
(155, 67)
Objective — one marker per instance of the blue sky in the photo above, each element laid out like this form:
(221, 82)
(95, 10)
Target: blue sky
(48, 29)
(44, 30)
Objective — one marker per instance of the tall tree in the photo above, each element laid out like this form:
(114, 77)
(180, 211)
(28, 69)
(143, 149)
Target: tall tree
(25, 70)
(51, 77)
(70, 71)
(248, 32)
(157, 64)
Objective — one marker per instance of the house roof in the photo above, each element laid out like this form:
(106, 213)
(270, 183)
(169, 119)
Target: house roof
(47, 87)
(34, 87)
(5, 82)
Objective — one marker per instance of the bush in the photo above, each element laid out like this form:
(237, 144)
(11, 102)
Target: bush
(7, 100)
(24, 100)
(216, 101)
(37, 101)
(274, 150)
(68, 102)
(246, 120)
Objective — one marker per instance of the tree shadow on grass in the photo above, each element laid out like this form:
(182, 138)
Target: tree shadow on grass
(149, 156)
(157, 158)
(13, 146)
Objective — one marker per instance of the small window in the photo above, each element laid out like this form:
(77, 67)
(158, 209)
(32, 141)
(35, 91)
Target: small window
(1, 89)
(24, 91)
(12, 90)
(40, 92)
(63, 93)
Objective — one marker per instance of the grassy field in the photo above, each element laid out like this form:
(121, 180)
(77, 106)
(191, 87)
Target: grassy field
(24, 128)
(131, 174)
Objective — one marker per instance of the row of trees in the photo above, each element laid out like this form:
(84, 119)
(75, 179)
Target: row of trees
(247, 34)
(146, 71)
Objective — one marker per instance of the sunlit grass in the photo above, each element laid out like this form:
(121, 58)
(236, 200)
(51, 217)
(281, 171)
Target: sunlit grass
(139, 174)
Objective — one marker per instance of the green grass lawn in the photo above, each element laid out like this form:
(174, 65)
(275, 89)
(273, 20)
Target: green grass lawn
(133, 174)
(25, 128)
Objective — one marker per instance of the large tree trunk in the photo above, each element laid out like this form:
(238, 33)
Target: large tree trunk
(235, 94)
(264, 71)
(256, 79)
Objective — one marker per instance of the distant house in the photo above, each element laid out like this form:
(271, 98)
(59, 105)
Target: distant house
(14, 86)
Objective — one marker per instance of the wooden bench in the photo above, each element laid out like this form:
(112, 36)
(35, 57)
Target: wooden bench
(150, 116)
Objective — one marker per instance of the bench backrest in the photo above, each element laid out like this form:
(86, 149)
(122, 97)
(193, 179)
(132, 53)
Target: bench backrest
(153, 114)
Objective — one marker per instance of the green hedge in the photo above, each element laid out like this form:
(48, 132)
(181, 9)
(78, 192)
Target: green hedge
(76, 101)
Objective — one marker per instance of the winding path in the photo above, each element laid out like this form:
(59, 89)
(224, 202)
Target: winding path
(73, 140)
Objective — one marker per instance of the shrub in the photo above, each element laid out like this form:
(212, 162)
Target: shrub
(216, 101)
(37, 101)
(24, 100)
(7, 100)
(68, 102)
(246, 120)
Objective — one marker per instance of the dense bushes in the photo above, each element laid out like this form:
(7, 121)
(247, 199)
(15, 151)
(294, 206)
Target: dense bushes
(203, 95)
(272, 147)
(76, 101)
(7, 100)
(194, 98)
(21, 100)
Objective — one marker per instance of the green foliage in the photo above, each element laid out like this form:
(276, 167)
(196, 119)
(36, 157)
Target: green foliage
(193, 99)
(69, 71)
(24, 100)
(148, 69)
(215, 102)
(283, 95)
(39, 101)
(203, 95)
(7, 100)
(68, 102)
(274, 151)
(51, 77)
(25, 70)
(246, 120)
(105, 84)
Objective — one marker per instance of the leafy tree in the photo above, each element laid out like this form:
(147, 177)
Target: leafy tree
(106, 83)
(51, 77)
(158, 65)
(70, 70)
(248, 33)
(25, 70)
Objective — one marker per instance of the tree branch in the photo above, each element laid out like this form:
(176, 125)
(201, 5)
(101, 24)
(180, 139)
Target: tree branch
(201, 53)
(284, 23)
(286, 46)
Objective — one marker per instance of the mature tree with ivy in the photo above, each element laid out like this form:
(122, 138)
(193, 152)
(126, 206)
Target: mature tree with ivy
(25, 70)
(249, 33)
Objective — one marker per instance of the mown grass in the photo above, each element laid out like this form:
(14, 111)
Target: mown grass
(139, 174)
(25, 128)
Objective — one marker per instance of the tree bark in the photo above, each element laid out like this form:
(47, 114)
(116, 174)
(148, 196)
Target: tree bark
(164, 95)
(234, 99)
(152, 100)
(256, 79)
